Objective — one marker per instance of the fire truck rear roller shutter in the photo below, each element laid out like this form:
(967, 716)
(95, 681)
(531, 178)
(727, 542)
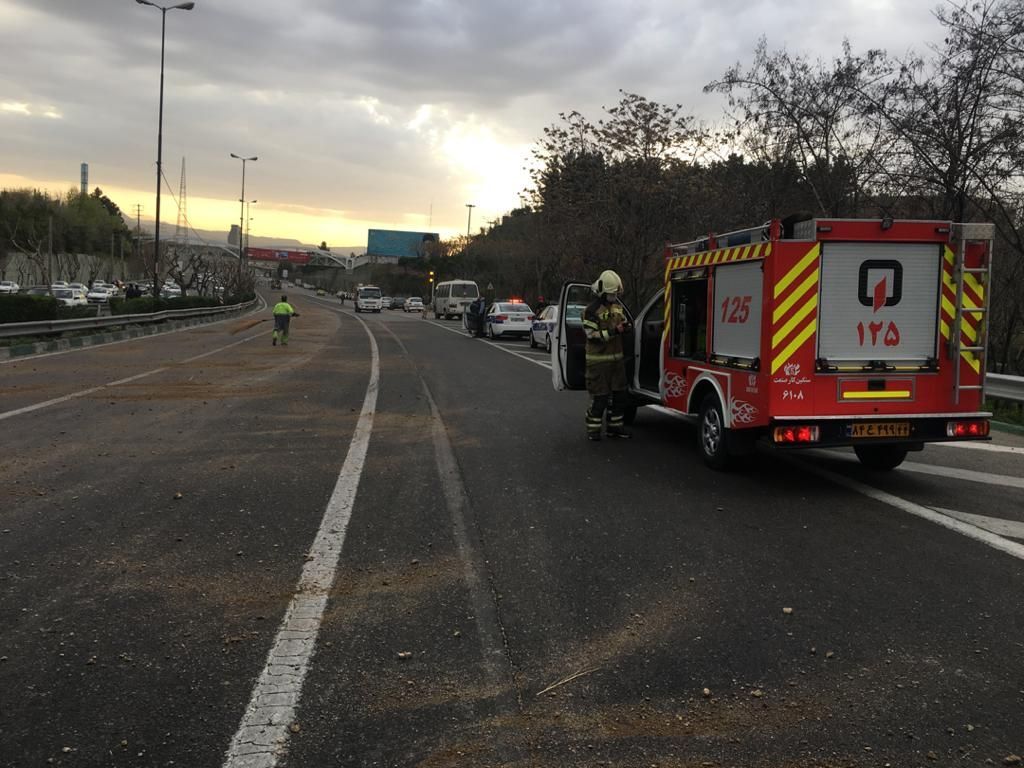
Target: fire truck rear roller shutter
(879, 301)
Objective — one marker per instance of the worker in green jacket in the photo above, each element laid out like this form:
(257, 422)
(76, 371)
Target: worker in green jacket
(605, 322)
(283, 313)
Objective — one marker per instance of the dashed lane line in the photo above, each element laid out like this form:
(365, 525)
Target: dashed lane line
(136, 377)
(262, 736)
(490, 631)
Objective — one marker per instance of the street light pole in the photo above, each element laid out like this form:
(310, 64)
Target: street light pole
(160, 135)
(241, 217)
(469, 218)
(248, 220)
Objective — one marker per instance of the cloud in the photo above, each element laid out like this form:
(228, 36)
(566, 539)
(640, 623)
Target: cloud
(374, 111)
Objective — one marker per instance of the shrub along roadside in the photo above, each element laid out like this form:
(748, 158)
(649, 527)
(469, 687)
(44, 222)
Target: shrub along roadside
(147, 304)
(73, 313)
(22, 308)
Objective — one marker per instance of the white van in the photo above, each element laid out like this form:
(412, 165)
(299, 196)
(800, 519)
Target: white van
(452, 297)
(368, 298)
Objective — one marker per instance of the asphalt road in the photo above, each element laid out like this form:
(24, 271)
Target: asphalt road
(387, 544)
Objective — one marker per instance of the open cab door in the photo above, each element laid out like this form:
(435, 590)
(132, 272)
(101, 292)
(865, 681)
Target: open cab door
(568, 349)
(569, 346)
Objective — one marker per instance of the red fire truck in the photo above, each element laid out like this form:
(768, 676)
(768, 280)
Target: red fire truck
(824, 332)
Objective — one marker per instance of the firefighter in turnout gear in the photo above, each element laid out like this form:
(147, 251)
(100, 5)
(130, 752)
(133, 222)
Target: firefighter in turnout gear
(605, 322)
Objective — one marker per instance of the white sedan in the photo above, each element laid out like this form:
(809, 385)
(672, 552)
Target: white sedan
(508, 318)
(9, 286)
(70, 297)
(413, 304)
(98, 294)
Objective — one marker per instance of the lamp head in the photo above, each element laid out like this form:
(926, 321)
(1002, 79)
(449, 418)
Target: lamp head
(185, 6)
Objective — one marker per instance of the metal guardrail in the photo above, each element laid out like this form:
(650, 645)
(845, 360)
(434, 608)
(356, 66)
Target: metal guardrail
(1003, 387)
(46, 327)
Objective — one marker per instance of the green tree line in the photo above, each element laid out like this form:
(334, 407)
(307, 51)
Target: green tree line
(59, 237)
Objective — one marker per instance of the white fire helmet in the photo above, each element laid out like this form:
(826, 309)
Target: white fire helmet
(608, 282)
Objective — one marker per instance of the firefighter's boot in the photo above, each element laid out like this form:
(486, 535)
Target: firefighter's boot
(616, 428)
(594, 424)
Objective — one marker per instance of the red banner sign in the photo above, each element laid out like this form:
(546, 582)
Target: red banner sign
(269, 254)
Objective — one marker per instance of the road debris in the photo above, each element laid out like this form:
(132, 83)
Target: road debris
(568, 679)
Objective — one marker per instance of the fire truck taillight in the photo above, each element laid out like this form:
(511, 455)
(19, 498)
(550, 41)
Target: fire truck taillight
(795, 435)
(967, 428)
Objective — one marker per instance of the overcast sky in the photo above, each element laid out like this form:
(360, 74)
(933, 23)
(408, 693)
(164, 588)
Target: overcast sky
(368, 113)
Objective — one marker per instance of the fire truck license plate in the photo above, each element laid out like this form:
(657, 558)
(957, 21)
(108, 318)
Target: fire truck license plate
(880, 429)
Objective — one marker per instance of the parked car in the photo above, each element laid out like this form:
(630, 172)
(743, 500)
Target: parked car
(79, 287)
(8, 286)
(543, 326)
(509, 318)
(100, 294)
(321, 292)
(37, 290)
(397, 302)
(58, 284)
(413, 304)
(70, 297)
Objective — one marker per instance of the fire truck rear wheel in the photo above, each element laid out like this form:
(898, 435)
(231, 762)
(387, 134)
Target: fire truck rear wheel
(712, 434)
(881, 457)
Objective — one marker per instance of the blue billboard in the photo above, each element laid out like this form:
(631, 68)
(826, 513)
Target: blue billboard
(395, 243)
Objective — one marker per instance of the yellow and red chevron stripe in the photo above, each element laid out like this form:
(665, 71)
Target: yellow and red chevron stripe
(973, 298)
(795, 307)
(719, 256)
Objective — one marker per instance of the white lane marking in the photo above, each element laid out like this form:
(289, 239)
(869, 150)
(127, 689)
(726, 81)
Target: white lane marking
(32, 358)
(981, 447)
(1012, 528)
(263, 733)
(520, 355)
(136, 377)
(986, 478)
(488, 626)
(966, 529)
